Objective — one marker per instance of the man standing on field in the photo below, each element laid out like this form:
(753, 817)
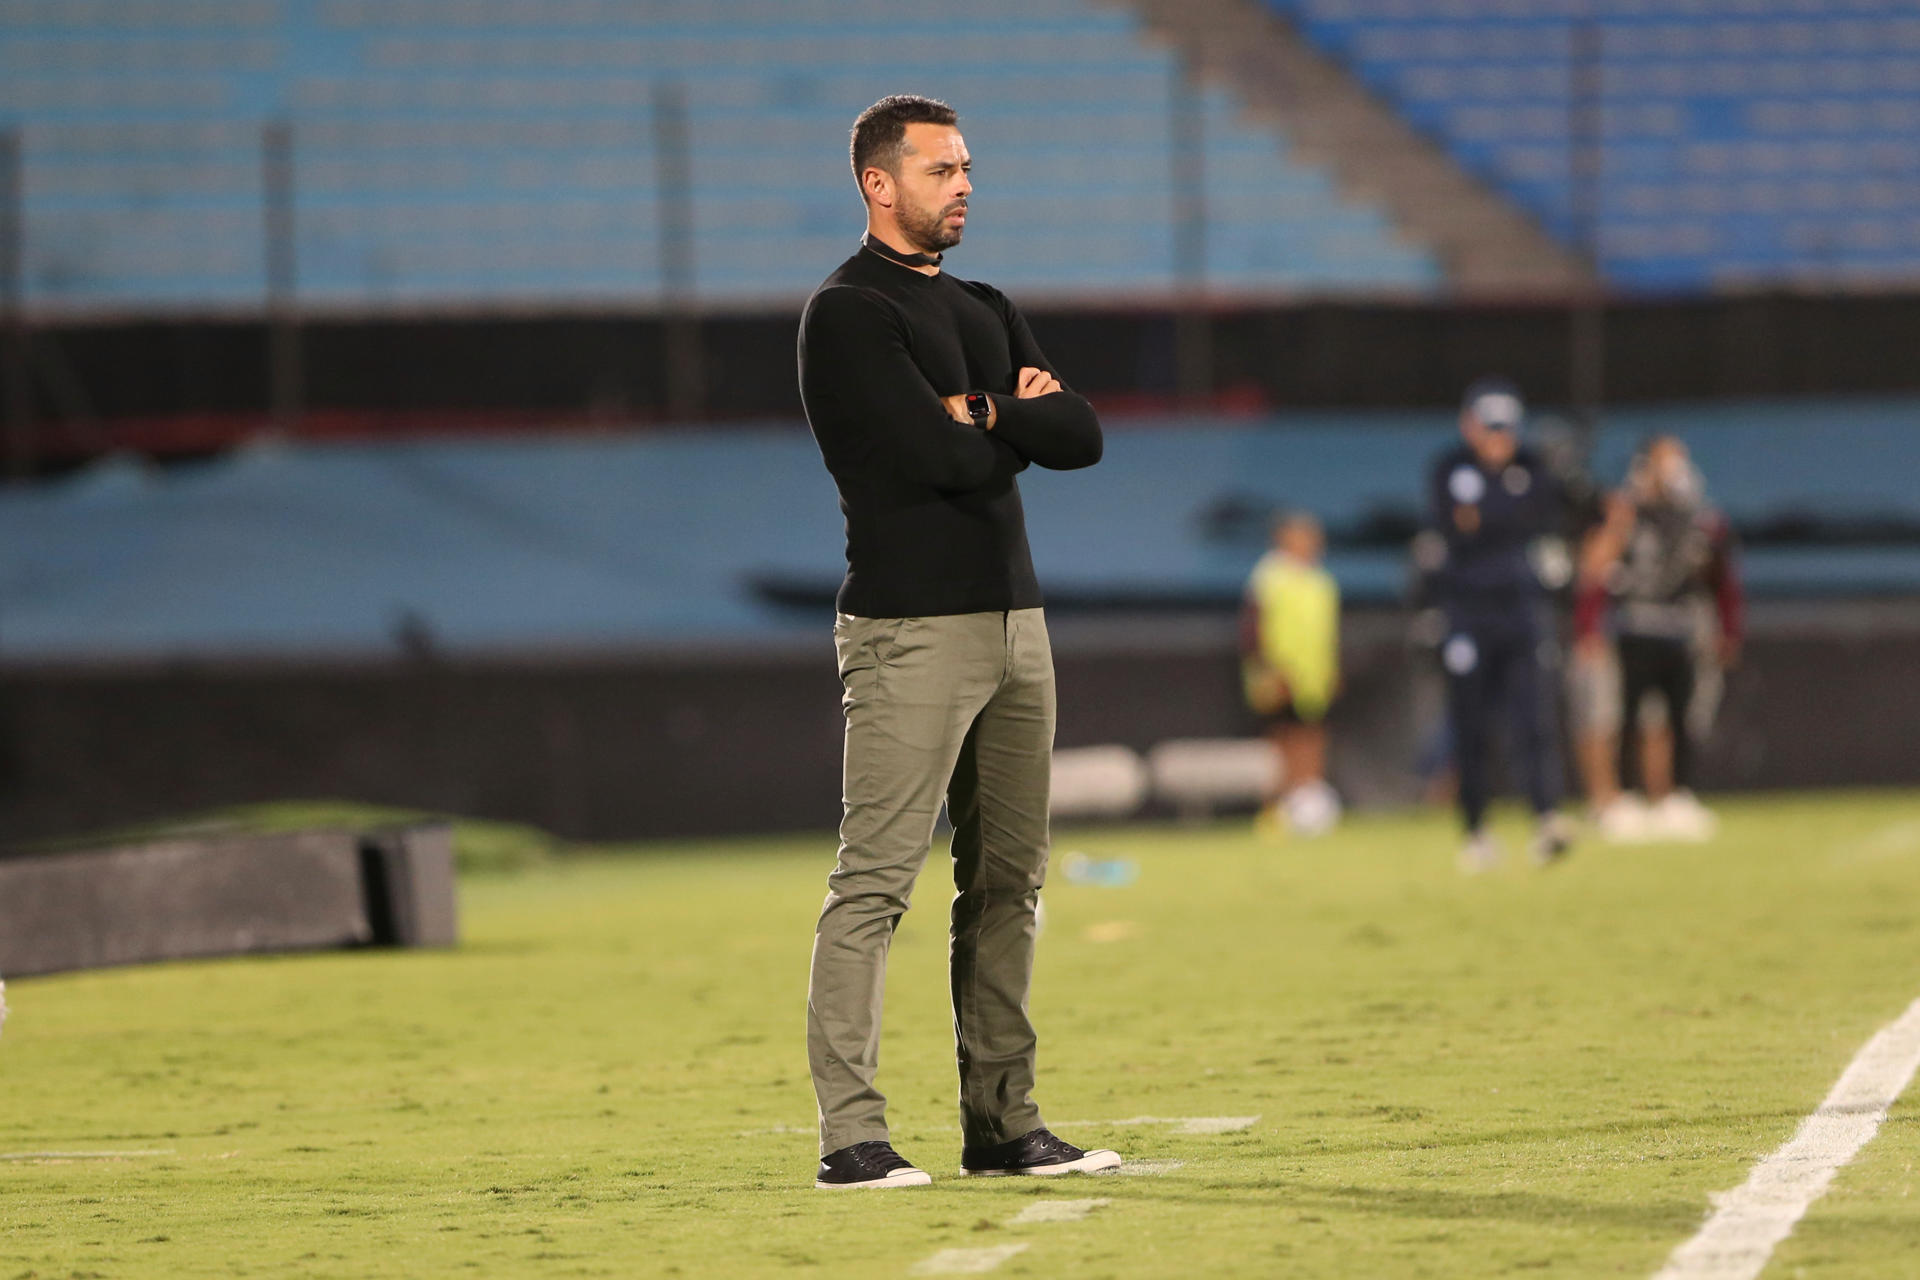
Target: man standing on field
(927, 395)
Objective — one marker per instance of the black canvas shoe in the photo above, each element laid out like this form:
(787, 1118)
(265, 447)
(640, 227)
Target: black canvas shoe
(868, 1164)
(1037, 1154)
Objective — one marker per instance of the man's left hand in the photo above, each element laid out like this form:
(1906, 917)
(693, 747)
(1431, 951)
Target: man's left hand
(1030, 383)
(1034, 382)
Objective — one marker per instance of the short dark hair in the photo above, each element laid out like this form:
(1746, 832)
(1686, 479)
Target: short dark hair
(881, 130)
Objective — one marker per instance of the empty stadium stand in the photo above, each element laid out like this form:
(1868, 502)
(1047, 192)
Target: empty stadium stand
(583, 152)
(598, 542)
(1489, 247)
(1740, 143)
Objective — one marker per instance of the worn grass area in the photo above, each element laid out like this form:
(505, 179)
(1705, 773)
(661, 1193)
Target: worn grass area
(1529, 1072)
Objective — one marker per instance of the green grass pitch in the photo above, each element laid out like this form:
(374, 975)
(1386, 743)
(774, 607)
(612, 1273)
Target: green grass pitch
(1530, 1072)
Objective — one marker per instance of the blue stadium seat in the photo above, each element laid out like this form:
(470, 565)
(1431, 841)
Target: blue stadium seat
(1727, 105)
(507, 151)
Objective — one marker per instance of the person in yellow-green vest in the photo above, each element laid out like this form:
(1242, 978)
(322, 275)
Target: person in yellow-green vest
(1290, 667)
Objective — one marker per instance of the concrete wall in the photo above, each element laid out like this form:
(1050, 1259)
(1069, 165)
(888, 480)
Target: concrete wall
(684, 743)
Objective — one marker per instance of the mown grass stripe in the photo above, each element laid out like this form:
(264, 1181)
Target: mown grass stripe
(966, 1262)
(78, 1155)
(1057, 1211)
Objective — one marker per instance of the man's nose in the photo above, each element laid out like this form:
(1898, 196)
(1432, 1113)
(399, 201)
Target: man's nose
(966, 184)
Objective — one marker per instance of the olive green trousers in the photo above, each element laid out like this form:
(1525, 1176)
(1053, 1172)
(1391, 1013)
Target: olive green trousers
(957, 708)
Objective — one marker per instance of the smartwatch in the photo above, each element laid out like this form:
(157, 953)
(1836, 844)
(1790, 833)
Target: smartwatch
(979, 408)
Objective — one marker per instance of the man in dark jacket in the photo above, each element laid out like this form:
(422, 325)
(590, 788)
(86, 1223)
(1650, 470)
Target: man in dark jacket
(1491, 498)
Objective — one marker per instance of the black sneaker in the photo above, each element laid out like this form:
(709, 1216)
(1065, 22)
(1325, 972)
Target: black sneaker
(1037, 1154)
(868, 1164)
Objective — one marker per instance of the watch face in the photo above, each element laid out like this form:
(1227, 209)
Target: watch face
(978, 405)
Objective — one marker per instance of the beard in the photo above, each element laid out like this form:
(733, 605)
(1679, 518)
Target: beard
(928, 230)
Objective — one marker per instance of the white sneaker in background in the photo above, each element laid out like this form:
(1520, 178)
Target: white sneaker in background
(1479, 854)
(1680, 816)
(1313, 808)
(1552, 839)
(1624, 820)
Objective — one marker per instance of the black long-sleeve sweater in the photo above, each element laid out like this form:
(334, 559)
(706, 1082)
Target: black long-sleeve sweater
(934, 521)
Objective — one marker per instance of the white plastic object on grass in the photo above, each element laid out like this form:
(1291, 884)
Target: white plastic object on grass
(1199, 775)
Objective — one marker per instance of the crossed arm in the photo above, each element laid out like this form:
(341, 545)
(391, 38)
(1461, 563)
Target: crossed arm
(1030, 383)
(857, 371)
(1045, 421)
(857, 367)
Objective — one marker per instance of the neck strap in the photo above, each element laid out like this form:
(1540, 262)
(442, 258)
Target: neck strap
(891, 254)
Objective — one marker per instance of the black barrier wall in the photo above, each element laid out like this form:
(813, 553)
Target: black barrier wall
(612, 368)
(636, 746)
(184, 896)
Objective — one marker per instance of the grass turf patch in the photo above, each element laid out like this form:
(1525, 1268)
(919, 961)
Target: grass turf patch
(479, 845)
(1524, 1072)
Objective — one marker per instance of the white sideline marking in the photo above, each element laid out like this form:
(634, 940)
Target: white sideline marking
(1749, 1221)
(79, 1155)
(1056, 1211)
(1148, 1168)
(966, 1262)
(1187, 1124)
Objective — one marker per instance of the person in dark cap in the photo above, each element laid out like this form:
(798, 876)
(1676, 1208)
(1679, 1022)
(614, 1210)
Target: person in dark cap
(1491, 498)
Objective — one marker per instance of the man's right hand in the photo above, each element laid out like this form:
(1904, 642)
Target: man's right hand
(1034, 382)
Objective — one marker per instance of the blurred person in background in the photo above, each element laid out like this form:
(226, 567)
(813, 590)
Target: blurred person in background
(1290, 669)
(1671, 583)
(927, 395)
(1593, 674)
(1491, 498)
(1564, 559)
(1433, 758)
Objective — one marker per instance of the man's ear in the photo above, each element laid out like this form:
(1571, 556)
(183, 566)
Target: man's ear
(877, 183)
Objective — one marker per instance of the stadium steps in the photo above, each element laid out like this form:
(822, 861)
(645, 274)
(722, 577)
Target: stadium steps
(1485, 245)
(1742, 144)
